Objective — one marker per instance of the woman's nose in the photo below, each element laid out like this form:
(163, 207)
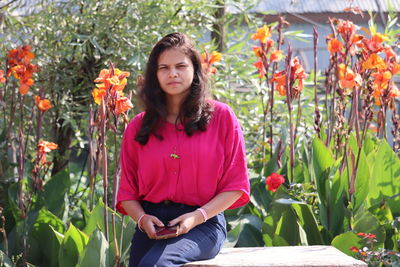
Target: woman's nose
(173, 72)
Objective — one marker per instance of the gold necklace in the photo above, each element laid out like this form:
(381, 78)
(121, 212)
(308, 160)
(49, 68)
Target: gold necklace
(174, 155)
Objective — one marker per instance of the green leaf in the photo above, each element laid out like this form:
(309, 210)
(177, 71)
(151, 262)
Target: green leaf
(366, 222)
(96, 219)
(385, 178)
(55, 191)
(72, 246)
(287, 227)
(308, 223)
(43, 234)
(363, 174)
(96, 252)
(345, 241)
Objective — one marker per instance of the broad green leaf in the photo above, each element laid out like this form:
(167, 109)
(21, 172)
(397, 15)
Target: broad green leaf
(385, 178)
(72, 246)
(260, 197)
(96, 252)
(345, 241)
(322, 157)
(96, 219)
(308, 223)
(287, 227)
(43, 233)
(366, 222)
(55, 191)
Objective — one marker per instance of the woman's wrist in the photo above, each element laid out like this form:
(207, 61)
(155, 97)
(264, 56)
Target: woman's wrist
(139, 221)
(203, 214)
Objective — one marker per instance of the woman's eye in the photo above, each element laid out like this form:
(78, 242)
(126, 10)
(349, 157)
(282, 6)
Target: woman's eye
(181, 66)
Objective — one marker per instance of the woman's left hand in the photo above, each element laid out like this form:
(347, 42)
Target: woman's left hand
(188, 221)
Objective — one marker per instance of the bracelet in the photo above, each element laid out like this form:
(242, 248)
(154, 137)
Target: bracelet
(138, 221)
(204, 213)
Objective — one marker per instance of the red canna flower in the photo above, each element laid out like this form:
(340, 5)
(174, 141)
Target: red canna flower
(362, 234)
(335, 46)
(347, 30)
(43, 104)
(280, 79)
(274, 181)
(261, 69)
(354, 249)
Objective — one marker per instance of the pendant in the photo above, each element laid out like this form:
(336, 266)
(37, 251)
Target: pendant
(174, 156)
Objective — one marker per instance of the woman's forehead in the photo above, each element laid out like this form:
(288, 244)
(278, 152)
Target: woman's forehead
(173, 56)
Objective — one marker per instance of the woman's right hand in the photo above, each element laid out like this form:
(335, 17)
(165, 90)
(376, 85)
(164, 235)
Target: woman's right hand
(147, 225)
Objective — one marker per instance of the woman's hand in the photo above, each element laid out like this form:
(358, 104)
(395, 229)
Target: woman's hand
(188, 221)
(147, 225)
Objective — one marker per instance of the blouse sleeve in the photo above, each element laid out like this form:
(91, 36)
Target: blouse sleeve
(235, 177)
(128, 187)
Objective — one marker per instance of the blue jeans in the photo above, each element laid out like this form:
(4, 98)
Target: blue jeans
(201, 243)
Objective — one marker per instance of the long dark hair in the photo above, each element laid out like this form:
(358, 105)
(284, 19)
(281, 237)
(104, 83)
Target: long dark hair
(195, 110)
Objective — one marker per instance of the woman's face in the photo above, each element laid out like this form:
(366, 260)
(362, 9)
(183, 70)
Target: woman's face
(175, 73)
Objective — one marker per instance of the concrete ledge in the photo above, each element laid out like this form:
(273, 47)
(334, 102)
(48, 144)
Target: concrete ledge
(279, 256)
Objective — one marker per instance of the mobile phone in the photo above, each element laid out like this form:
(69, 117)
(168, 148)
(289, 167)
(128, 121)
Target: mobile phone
(166, 232)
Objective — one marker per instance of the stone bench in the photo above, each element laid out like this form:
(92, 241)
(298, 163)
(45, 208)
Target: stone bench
(280, 256)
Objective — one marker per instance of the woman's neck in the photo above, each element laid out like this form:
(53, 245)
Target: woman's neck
(173, 107)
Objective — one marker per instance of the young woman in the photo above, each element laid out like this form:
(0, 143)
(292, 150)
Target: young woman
(183, 162)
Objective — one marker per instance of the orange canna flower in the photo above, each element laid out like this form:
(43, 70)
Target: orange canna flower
(347, 29)
(389, 52)
(257, 51)
(207, 60)
(394, 91)
(98, 94)
(280, 79)
(347, 78)
(262, 34)
(395, 68)
(122, 104)
(43, 104)
(334, 46)
(374, 62)
(2, 79)
(379, 38)
(276, 55)
(21, 54)
(43, 148)
(297, 69)
(261, 69)
(381, 79)
(215, 57)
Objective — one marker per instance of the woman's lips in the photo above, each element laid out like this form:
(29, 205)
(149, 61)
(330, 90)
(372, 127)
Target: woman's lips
(173, 83)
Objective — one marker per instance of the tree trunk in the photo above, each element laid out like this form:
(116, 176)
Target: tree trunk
(218, 33)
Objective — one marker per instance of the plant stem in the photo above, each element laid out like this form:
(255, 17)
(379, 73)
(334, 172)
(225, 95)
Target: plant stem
(290, 107)
(104, 162)
(317, 122)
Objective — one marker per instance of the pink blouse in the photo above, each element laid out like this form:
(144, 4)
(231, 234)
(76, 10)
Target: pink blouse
(185, 169)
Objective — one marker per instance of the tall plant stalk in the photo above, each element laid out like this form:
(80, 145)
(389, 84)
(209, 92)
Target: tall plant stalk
(290, 108)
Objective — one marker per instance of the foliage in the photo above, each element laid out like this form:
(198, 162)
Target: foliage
(319, 173)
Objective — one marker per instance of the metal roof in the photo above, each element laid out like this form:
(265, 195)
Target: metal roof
(322, 6)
